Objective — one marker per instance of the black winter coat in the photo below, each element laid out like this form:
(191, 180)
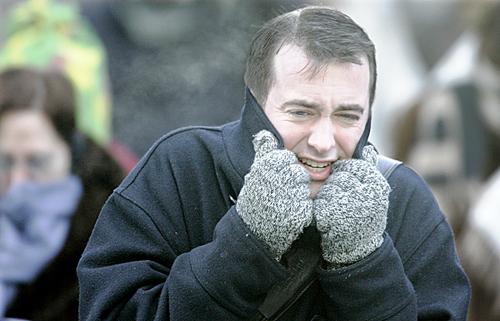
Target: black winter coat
(169, 245)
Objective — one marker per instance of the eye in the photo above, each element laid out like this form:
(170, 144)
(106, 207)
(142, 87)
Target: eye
(349, 117)
(38, 162)
(300, 113)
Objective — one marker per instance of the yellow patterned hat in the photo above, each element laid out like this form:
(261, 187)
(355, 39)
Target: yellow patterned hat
(45, 33)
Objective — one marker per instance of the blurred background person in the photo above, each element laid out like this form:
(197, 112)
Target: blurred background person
(53, 33)
(53, 182)
(58, 156)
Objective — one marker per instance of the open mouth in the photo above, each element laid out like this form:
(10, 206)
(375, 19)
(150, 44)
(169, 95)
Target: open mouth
(315, 166)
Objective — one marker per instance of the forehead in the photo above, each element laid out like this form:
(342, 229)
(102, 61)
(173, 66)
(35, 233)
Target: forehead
(292, 61)
(27, 130)
(335, 82)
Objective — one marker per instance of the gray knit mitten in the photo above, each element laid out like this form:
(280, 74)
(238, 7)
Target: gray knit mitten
(274, 201)
(351, 210)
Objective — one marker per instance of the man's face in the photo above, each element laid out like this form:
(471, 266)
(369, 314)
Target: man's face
(320, 117)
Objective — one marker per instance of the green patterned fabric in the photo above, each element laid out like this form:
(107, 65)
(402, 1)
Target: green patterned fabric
(46, 33)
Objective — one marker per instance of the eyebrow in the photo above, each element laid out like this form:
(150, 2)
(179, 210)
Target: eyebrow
(300, 102)
(350, 107)
(313, 105)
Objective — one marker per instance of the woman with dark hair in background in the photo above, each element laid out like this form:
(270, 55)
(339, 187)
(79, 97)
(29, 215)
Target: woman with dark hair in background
(53, 182)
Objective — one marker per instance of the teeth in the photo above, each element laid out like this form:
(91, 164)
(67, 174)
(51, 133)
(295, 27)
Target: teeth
(314, 164)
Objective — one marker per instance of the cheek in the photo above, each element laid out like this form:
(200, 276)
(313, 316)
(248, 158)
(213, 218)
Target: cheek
(347, 140)
(62, 160)
(291, 134)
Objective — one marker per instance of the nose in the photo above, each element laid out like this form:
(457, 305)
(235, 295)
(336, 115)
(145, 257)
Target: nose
(322, 136)
(19, 174)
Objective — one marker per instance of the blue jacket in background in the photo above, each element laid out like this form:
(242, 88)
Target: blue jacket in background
(169, 245)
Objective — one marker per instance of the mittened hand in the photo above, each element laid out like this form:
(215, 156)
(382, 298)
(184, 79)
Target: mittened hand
(274, 201)
(351, 209)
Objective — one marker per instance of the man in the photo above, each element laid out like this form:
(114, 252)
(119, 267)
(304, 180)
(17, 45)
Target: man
(206, 226)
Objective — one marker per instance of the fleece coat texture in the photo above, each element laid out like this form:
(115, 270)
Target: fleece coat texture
(169, 245)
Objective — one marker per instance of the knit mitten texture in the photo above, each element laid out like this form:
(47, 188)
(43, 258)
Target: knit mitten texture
(351, 210)
(274, 201)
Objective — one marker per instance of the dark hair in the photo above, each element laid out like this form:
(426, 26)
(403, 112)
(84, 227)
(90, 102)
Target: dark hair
(326, 35)
(45, 90)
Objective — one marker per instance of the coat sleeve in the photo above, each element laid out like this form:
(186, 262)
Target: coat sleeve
(414, 275)
(142, 261)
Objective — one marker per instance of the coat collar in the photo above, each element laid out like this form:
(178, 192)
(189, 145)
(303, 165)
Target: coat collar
(238, 135)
